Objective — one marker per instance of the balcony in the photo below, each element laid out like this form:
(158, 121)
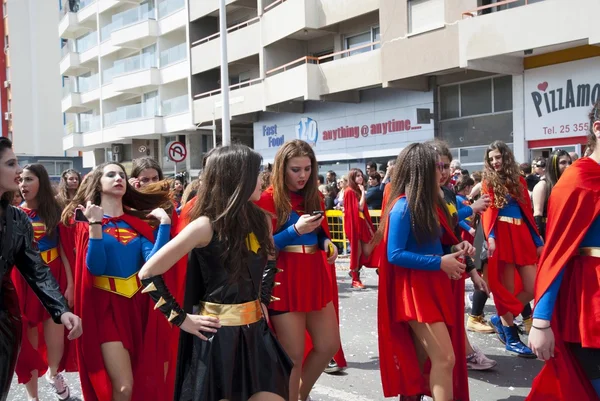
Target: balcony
(70, 64)
(243, 40)
(72, 141)
(137, 74)
(135, 28)
(135, 120)
(176, 114)
(87, 47)
(202, 8)
(477, 31)
(106, 5)
(171, 15)
(356, 68)
(89, 89)
(172, 67)
(246, 97)
(71, 101)
(297, 80)
(74, 24)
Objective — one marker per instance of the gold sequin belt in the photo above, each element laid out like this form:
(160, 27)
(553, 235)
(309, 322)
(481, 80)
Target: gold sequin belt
(301, 249)
(233, 314)
(590, 251)
(510, 220)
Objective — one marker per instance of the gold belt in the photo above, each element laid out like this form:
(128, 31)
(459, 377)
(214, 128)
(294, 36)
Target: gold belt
(590, 251)
(510, 220)
(361, 215)
(233, 314)
(50, 255)
(301, 249)
(126, 287)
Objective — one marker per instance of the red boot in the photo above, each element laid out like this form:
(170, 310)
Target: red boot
(356, 283)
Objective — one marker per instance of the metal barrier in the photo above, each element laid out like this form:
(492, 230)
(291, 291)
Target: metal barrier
(335, 221)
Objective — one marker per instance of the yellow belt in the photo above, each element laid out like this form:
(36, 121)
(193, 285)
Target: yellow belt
(301, 249)
(126, 287)
(233, 314)
(50, 255)
(361, 215)
(590, 251)
(510, 220)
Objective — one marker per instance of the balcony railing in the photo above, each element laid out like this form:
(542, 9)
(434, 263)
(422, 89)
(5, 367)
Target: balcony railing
(173, 55)
(134, 63)
(82, 4)
(232, 87)
(88, 122)
(68, 88)
(498, 6)
(132, 16)
(107, 75)
(273, 5)
(168, 7)
(229, 30)
(176, 105)
(87, 84)
(86, 42)
(131, 112)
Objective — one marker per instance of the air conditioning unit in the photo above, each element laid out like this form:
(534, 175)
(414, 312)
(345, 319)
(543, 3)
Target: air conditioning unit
(8, 115)
(117, 150)
(7, 83)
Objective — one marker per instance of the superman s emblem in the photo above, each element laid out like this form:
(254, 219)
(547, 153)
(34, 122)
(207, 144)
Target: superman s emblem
(123, 235)
(39, 230)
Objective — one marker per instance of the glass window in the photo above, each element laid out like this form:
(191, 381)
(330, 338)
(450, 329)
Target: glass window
(50, 166)
(472, 155)
(63, 165)
(477, 131)
(376, 37)
(476, 98)
(503, 93)
(425, 15)
(449, 102)
(357, 41)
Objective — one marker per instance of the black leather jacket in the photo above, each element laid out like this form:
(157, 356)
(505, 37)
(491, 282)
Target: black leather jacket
(24, 255)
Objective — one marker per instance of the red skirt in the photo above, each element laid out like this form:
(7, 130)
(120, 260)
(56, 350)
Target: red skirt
(366, 233)
(305, 284)
(514, 244)
(424, 296)
(581, 314)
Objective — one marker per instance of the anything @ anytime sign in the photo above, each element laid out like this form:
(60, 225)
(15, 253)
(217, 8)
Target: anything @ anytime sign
(559, 98)
(382, 128)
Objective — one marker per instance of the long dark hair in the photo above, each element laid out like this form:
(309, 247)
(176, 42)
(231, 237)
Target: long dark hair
(5, 144)
(463, 182)
(281, 193)
(353, 174)
(594, 116)
(63, 189)
(134, 202)
(143, 163)
(505, 182)
(553, 170)
(48, 207)
(228, 180)
(414, 175)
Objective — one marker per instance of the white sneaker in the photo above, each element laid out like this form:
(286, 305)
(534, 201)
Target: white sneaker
(478, 361)
(60, 386)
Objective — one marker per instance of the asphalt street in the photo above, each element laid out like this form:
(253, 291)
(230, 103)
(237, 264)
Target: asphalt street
(509, 381)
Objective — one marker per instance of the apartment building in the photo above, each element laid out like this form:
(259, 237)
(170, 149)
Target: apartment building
(125, 73)
(362, 79)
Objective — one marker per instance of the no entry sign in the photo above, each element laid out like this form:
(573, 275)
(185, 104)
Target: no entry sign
(176, 151)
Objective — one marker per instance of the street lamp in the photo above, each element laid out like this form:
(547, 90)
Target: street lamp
(226, 130)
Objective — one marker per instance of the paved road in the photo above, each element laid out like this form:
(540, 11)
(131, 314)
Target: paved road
(510, 381)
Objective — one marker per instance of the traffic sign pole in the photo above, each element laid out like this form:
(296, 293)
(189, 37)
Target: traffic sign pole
(226, 131)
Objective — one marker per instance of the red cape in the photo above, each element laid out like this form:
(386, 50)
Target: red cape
(505, 301)
(399, 366)
(267, 203)
(95, 382)
(353, 226)
(573, 206)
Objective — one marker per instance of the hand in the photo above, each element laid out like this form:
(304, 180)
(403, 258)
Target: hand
(465, 246)
(92, 212)
(362, 188)
(69, 295)
(451, 266)
(73, 324)
(330, 258)
(539, 250)
(472, 231)
(307, 223)
(160, 215)
(482, 204)
(195, 324)
(134, 182)
(479, 282)
(491, 247)
(265, 311)
(542, 342)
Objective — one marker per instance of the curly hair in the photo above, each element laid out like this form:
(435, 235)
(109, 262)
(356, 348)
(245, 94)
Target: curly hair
(505, 182)
(594, 116)
(63, 188)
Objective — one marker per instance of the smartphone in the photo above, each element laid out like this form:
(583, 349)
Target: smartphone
(318, 213)
(79, 216)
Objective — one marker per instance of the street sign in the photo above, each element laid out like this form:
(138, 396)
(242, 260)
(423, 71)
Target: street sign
(176, 151)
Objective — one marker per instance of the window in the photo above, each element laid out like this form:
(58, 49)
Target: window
(425, 15)
(362, 39)
(449, 102)
(56, 167)
(475, 98)
(503, 93)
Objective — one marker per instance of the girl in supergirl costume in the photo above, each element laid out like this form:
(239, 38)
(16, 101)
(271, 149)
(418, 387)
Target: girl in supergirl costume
(17, 248)
(358, 226)
(566, 328)
(512, 241)
(304, 298)
(558, 162)
(416, 310)
(227, 351)
(123, 343)
(462, 188)
(44, 344)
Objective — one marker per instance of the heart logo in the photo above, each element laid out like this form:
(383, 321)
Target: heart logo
(543, 86)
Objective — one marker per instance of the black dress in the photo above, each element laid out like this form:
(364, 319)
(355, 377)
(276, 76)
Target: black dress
(237, 361)
(17, 249)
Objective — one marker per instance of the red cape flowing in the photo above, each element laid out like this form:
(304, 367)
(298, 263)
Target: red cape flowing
(354, 226)
(573, 206)
(267, 203)
(503, 299)
(95, 382)
(399, 366)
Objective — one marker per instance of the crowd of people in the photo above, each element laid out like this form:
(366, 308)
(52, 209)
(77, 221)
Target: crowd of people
(241, 264)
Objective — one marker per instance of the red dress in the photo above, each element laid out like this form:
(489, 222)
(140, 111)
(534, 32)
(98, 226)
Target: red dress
(358, 228)
(514, 245)
(573, 206)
